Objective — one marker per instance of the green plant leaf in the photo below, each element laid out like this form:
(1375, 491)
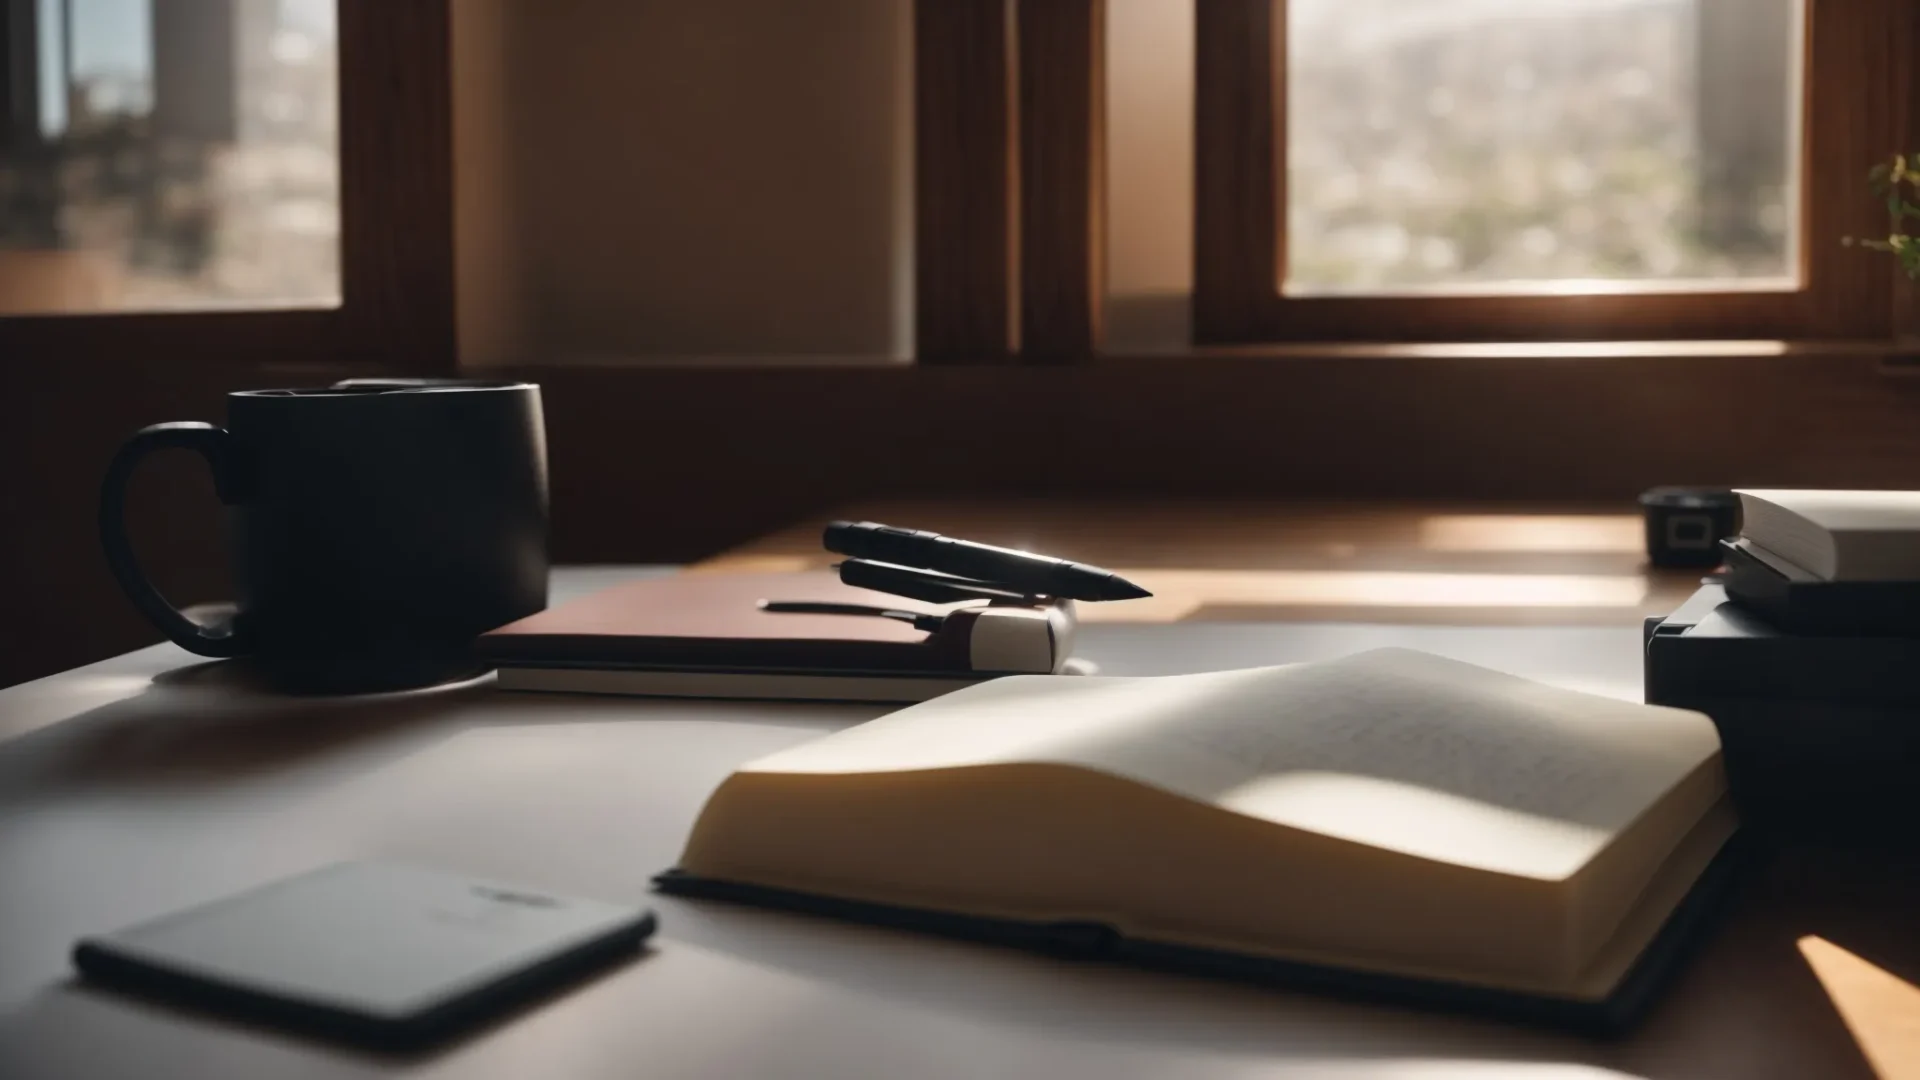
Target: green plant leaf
(1887, 179)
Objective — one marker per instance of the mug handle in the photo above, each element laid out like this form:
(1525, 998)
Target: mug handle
(216, 445)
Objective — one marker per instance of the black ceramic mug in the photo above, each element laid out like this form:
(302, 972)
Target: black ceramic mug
(376, 528)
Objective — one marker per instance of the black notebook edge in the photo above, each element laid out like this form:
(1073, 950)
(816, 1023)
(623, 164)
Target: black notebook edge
(1630, 1000)
(1820, 608)
(109, 968)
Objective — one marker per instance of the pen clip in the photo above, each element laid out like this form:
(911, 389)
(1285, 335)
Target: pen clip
(930, 586)
(919, 620)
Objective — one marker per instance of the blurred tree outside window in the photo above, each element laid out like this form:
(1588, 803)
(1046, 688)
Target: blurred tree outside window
(1489, 146)
(163, 155)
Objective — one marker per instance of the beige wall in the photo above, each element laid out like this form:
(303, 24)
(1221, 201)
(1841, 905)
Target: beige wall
(643, 178)
(1149, 174)
(490, 287)
(649, 179)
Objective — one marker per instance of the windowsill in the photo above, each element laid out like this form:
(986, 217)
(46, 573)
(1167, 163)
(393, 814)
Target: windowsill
(1900, 357)
(596, 362)
(1895, 358)
(1533, 350)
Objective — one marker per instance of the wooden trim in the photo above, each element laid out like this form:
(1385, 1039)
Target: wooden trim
(396, 190)
(1062, 178)
(396, 181)
(1906, 27)
(1853, 71)
(19, 72)
(1249, 357)
(1235, 228)
(1852, 60)
(966, 274)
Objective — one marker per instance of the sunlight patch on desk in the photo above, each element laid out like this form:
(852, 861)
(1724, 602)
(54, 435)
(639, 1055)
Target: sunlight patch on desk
(109, 686)
(759, 564)
(1389, 615)
(77, 694)
(1436, 1069)
(1881, 1010)
(1340, 595)
(1557, 533)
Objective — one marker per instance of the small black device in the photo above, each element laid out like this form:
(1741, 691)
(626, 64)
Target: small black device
(383, 955)
(943, 569)
(1685, 525)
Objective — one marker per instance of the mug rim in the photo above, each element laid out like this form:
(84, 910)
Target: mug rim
(374, 388)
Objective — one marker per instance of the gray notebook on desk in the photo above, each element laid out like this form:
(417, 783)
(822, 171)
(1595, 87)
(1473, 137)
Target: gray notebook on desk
(383, 954)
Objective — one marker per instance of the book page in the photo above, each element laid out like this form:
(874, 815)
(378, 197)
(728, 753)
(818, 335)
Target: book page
(1391, 748)
(1845, 511)
(1838, 535)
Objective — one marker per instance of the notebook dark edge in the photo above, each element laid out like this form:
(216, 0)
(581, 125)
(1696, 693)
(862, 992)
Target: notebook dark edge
(1631, 999)
(741, 669)
(934, 684)
(102, 965)
(1820, 608)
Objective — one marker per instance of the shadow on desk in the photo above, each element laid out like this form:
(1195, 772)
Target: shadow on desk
(1749, 1005)
(210, 723)
(213, 724)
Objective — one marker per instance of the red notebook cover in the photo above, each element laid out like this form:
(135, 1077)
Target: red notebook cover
(713, 621)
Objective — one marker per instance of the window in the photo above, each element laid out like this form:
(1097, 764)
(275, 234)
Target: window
(171, 156)
(1485, 170)
(1502, 146)
(227, 179)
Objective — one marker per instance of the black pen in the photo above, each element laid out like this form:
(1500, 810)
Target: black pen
(1040, 575)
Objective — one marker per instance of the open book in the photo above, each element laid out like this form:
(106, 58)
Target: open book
(1391, 820)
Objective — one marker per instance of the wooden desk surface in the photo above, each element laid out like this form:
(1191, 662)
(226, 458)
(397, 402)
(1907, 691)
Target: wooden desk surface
(143, 784)
(1267, 562)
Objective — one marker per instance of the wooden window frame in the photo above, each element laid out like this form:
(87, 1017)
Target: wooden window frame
(1009, 188)
(1860, 61)
(396, 309)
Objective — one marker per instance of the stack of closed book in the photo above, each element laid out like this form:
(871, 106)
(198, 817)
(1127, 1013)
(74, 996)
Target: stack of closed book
(1829, 562)
(1806, 652)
